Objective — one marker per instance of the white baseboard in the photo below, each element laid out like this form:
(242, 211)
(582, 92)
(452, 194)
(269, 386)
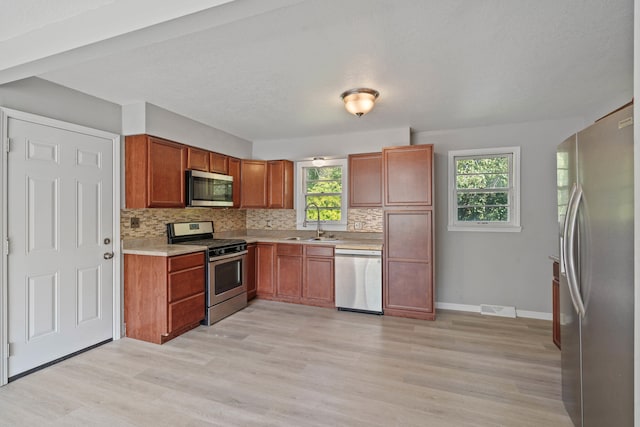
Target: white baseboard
(476, 309)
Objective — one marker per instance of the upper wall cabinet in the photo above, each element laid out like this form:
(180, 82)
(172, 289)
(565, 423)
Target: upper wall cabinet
(154, 172)
(253, 188)
(280, 184)
(365, 180)
(219, 163)
(408, 175)
(234, 171)
(197, 159)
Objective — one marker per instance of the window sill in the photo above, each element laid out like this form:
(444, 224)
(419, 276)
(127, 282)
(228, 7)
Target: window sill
(486, 228)
(327, 227)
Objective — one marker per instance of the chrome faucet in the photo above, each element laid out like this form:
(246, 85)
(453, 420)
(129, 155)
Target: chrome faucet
(318, 232)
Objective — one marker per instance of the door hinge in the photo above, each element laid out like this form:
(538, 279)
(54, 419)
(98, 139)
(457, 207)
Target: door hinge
(7, 145)
(6, 247)
(11, 349)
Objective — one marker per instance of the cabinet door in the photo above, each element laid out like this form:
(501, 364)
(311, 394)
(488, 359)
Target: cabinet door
(265, 254)
(165, 181)
(197, 159)
(408, 175)
(289, 271)
(408, 272)
(186, 312)
(280, 182)
(234, 171)
(219, 163)
(250, 278)
(318, 285)
(365, 180)
(253, 184)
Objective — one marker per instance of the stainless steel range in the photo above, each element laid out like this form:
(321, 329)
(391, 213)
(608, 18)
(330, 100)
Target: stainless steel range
(226, 290)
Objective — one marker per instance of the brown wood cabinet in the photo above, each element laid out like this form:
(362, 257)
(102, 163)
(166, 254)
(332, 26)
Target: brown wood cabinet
(318, 280)
(154, 172)
(408, 288)
(365, 180)
(289, 264)
(280, 184)
(265, 258)
(555, 291)
(408, 176)
(408, 272)
(250, 278)
(197, 159)
(219, 163)
(303, 274)
(234, 171)
(253, 188)
(163, 296)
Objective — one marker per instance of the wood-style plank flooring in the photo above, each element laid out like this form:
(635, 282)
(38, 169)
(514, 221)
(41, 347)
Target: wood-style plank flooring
(277, 364)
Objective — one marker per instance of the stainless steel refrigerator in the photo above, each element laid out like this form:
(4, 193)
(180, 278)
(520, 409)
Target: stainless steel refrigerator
(595, 212)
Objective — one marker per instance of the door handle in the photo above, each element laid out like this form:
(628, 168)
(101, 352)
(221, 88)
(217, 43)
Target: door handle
(572, 275)
(108, 255)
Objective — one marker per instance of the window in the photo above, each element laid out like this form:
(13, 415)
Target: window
(484, 189)
(326, 187)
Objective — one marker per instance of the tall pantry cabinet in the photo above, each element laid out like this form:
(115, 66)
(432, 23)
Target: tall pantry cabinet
(408, 289)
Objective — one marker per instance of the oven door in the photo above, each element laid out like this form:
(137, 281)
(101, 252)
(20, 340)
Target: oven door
(226, 277)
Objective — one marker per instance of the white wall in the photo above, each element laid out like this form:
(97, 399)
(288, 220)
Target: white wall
(331, 146)
(153, 120)
(510, 269)
(37, 96)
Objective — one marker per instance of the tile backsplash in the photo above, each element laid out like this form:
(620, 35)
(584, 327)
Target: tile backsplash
(153, 221)
(271, 219)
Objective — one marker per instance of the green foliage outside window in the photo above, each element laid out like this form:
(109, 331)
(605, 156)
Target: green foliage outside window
(323, 186)
(482, 188)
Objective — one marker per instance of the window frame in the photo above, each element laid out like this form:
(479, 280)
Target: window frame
(513, 225)
(300, 197)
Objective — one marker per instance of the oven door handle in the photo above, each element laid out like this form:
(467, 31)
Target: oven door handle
(227, 256)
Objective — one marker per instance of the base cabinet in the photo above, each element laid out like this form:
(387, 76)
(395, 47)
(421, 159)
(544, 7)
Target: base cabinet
(250, 279)
(265, 257)
(408, 269)
(302, 274)
(163, 296)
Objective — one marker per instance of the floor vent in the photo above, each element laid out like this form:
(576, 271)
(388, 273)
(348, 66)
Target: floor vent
(497, 310)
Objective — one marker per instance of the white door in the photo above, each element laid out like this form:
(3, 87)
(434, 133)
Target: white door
(60, 215)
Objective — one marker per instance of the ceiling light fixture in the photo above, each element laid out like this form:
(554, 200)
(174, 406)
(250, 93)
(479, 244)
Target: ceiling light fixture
(318, 161)
(359, 101)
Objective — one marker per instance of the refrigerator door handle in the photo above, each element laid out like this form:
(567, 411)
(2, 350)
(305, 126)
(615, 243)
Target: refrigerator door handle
(570, 257)
(565, 230)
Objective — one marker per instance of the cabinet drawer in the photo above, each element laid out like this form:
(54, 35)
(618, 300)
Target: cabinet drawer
(319, 250)
(186, 311)
(186, 283)
(286, 249)
(182, 262)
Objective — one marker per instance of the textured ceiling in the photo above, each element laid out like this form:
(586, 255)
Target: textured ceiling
(437, 64)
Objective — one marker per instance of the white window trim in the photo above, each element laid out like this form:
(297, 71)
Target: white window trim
(514, 213)
(300, 214)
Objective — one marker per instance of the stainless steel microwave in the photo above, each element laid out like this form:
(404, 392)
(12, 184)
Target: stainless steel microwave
(208, 189)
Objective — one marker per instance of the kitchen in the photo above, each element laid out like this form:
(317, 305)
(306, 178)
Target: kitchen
(516, 272)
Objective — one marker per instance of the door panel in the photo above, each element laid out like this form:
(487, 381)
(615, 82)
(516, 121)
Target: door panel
(60, 288)
(605, 159)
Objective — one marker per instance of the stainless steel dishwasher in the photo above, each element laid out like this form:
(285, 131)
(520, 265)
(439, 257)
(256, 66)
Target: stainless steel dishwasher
(358, 280)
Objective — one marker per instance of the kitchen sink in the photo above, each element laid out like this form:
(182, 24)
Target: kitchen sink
(322, 239)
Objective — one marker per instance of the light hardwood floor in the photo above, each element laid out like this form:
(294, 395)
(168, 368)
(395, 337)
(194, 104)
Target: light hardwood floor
(276, 364)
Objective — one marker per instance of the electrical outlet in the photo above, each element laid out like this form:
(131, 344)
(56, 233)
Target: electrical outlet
(269, 223)
(358, 225)
(135, 222)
